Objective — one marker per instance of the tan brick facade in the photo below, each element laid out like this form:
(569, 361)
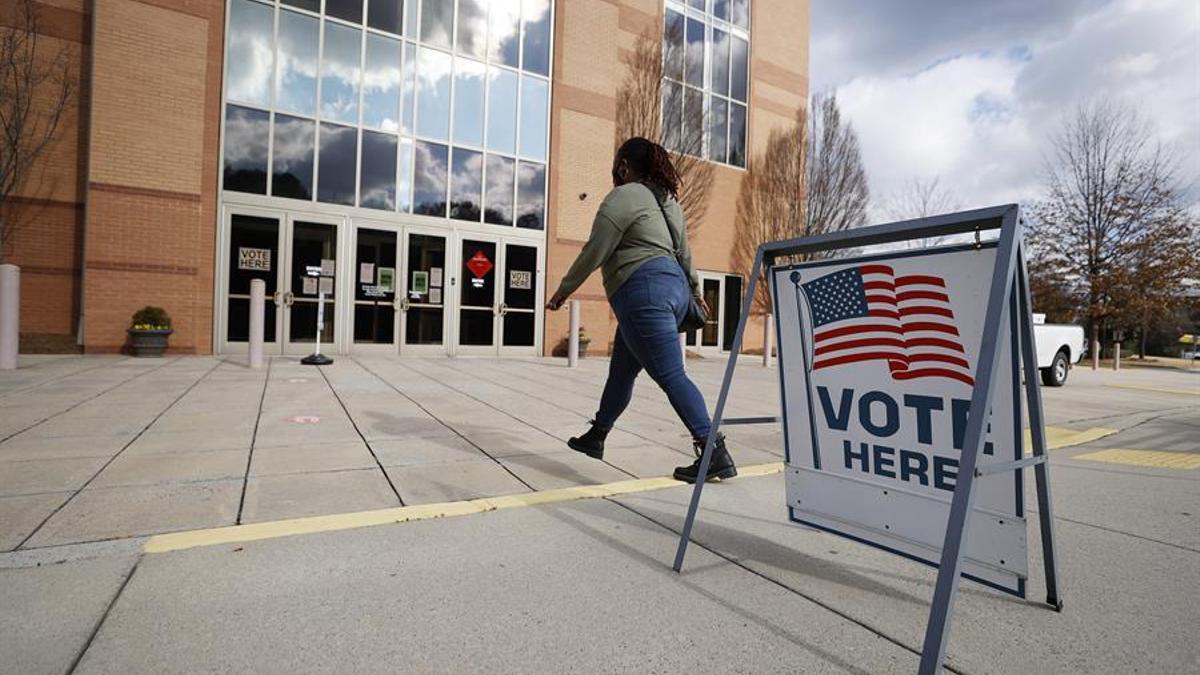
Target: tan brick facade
(590, 36)
(125, 210)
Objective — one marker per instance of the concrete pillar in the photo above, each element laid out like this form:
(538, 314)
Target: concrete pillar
(683, 349)
(1116, 356)
(573, 334)
(768, 338)
(258, 295)
(1095, 354)
(10, 315)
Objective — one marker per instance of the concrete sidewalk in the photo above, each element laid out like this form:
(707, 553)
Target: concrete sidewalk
(100, 448)
(128, 447)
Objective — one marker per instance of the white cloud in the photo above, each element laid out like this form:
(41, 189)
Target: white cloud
(979, 119)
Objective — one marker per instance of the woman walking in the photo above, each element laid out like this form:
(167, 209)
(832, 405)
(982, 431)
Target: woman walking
(632, 241)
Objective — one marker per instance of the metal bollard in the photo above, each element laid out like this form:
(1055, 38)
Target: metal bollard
(1095, 354)
(10, 316)
(258, 295)
(1116, 356)
(767, 339)
(573, 334)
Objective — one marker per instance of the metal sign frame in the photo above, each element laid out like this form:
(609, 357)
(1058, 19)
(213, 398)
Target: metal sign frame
(1009, 293)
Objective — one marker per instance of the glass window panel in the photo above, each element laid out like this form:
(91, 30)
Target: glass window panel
(468, 102)
(472, 28)
(437, 17)
(502, 111)
(338, 160)
(250, 53)
(246, 132)
(292, 157)
(718, 125)
(537, 36)
(349, 10)
(339, 73)
(696, 4)
(498, 201)
(720, 62)
(296, 74)
(381, 84)
(251, 232)
(737, 134)
(740, 13)
(408, 88)
(310, 5)
(720, 9)
(739, 68)
(673, 46)
(531, 195)
(404, 183)
(505, 32)
(433, 94)
(430, 168)
(521, 259)
(410, 17)
(692, 139)
(377, 182)
(672, 115)
(694, 61)
(466, 184)
(535, 97)
(386, 15)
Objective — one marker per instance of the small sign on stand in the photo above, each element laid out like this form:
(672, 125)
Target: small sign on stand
(325, 284)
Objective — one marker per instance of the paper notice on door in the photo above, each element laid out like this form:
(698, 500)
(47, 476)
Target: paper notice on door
(327, 267)
(435, 296)
(366, 273)
(420, 282)
(326, 285)
(386, 278)
(435, 277)
(310, 286)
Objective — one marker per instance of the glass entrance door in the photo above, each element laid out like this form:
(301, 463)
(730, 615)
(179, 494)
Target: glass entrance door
(478, 304)
(426, 288)
(723, 293)
(253, 253)
(312, 268)
(375, 298)
(519, 311)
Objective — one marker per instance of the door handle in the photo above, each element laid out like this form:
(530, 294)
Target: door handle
(288, 299)
(277, 298)
(503, 309)
(403, 304)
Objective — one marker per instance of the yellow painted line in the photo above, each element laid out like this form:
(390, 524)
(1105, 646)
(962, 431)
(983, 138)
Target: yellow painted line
(1061, 437)
(1160, 390)
(233, 534)
(1152, 458)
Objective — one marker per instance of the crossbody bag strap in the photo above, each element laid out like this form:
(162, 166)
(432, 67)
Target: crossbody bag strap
(671, 233)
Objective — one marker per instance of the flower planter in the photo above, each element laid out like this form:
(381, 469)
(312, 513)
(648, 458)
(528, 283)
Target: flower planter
(583, 346)
(149, 343)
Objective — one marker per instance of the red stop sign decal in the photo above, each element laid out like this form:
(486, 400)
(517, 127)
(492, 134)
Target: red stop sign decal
(479, 265)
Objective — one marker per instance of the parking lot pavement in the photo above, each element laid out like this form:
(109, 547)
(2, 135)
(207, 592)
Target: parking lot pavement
(113, 448)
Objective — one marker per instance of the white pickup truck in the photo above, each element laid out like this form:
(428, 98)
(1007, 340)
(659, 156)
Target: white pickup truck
(1059, 346)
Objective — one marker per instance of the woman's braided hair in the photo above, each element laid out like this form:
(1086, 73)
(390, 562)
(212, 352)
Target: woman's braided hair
(652, 162)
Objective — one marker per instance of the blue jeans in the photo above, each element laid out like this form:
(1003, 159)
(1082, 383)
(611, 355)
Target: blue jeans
(649, 306)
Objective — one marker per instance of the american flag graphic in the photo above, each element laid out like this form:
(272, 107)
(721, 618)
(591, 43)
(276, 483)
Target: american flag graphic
(867, 313)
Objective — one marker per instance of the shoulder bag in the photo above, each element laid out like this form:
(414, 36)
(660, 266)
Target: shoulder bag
(696, 315)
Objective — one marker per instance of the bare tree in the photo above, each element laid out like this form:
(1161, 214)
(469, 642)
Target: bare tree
(808, 180)
(648, 108)
(918, 199)
(1112, 221)
(34, 92)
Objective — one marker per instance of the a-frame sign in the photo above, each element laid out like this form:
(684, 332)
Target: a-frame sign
(882, 358)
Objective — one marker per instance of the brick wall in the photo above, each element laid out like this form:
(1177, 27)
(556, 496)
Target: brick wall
(590, 36)
(151, 219)
(48, 206)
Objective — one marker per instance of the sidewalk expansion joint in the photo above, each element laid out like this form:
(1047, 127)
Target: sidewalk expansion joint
(177, 541)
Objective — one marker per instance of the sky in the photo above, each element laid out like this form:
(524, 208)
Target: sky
(969, 92)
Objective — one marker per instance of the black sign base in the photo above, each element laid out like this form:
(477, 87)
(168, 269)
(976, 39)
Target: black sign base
(316, 360)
